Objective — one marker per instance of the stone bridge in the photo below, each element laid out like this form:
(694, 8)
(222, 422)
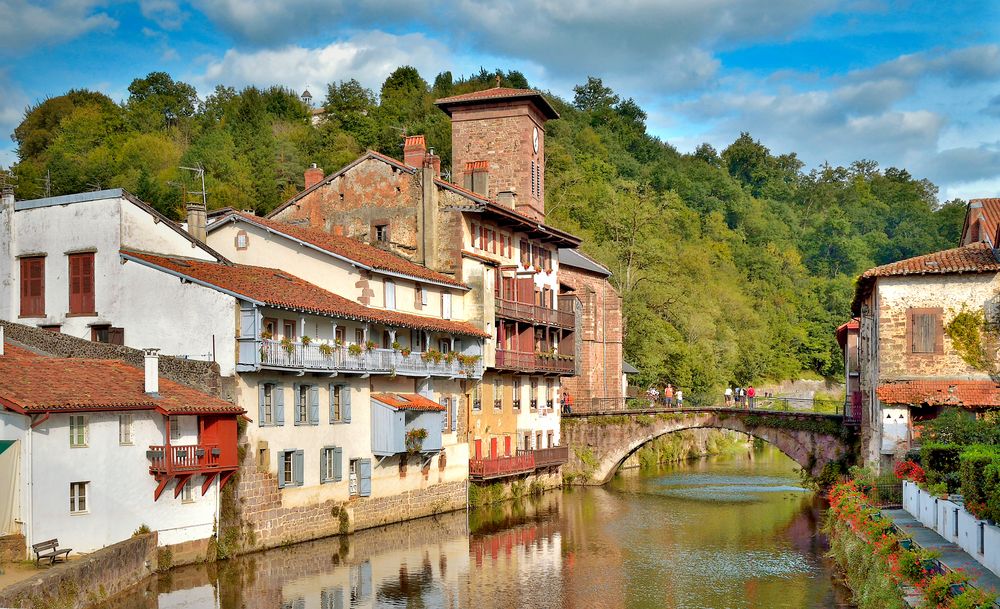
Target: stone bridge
(599, 443)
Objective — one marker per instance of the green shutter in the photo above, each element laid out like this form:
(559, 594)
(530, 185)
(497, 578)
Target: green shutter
(281, 468)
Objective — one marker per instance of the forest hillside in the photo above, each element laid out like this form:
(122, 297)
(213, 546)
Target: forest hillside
(735, 265)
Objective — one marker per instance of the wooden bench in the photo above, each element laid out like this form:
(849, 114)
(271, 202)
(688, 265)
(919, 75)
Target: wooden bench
(50, 549)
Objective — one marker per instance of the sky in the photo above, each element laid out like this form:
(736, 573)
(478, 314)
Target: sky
(905, 83)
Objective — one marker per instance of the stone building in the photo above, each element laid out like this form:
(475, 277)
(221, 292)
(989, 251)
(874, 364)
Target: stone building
(909, 368)
(982, 220)
(600, 331)
(488, 232)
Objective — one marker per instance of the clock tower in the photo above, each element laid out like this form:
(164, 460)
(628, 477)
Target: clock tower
(498, 145)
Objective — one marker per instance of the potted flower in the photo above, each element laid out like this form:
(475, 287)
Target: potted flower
(306, 340)
(354, 349)
(287, 345)
(338, 342)
(396, 346)
(266, 335)
(370, 345)
(415, 440)
(326, 351)
(406, 351)
(449, 357)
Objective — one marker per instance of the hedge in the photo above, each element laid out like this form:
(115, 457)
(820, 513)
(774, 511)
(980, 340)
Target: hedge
(979, 471)
(941, 463)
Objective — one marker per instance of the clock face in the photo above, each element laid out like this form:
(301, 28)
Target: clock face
(534, 139)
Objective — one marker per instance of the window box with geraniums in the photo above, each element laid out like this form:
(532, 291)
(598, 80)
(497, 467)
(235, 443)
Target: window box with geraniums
(415, 440)
(306, 341)
(370, 345)
(354, 349)
(432, 355)
(287, 345)
(449, 357)
(406, 351)
(326, 351)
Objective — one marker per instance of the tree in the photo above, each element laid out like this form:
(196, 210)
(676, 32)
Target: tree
(163, 97)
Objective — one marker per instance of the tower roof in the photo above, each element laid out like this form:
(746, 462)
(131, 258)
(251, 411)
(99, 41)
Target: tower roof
(497, 94)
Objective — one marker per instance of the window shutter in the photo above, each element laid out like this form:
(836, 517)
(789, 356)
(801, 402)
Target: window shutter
(345, 403)
(446, 305)
(116, 336)
(314, 405)
(924, 332)
(330, 393)
(390, 294)
(281, 468)
(338, 463)
(297, 467)
(278, 398)
(295, 404)
(322, 465)
(454, 414)
(365, 477)
(260, 404)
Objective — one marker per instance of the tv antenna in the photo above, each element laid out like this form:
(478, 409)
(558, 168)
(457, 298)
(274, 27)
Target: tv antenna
(199, 172)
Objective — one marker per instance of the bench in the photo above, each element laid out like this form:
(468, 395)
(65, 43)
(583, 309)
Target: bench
(50, 549)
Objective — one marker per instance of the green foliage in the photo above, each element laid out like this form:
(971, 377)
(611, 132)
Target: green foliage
(818, 425)
(142, 530)
(974, 340)
(954, 426)
(940, 462)
(979, 472)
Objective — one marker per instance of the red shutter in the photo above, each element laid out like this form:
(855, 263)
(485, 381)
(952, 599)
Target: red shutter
(81, 283)
(33, 286)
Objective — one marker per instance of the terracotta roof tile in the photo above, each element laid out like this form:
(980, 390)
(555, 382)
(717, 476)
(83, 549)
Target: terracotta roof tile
(280, 289)
(972, 258)
(990, 211)
(32, 383)
(970, 394)
(497, 94)
(407, 401)
(352, 249)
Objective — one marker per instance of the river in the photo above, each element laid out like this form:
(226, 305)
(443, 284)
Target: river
(721, 532)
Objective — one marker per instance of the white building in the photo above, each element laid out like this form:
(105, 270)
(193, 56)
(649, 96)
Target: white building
(94, 449)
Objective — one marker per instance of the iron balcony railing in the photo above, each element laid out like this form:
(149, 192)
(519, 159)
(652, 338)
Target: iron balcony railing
(275, 354)
(532, 313)
(181, 458)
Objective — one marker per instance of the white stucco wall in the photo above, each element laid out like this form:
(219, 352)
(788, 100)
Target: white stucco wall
(15, 475)
(121, 488)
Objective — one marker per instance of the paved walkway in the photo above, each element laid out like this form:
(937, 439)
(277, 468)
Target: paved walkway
(952, 556)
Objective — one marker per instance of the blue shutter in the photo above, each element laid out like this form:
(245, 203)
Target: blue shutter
(454, 413)
(281, 468)
(295, 403)
(330, 389)
(297, 467)
(260, 404)
(338, 464)
(345, 402)
(314, 405)
(322, 465)
(365, 477)
(278, 398)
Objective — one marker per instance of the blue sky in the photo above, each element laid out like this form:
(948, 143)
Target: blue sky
(908, 84)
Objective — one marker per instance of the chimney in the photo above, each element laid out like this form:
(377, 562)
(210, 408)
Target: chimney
(414, 149)
(313, 176)
(152, 371)
(197, 217)
(477, 177)
(507, 198)
(433, 161)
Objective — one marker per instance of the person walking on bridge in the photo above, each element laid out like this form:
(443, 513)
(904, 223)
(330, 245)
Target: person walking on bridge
(680, 399)
(728, 395)
(751, 396)
(668, 395)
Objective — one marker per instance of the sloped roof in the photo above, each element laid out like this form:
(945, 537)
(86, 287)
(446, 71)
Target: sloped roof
(31, 383)
(968, 394)
(990, 210)
(365, 255)
(277, 288)
(407, 401)
(497, 94)
(628, 368)
(577, 259)
(842, 329)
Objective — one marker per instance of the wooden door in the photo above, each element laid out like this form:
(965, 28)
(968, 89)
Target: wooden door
(493, 448)
(479, 449)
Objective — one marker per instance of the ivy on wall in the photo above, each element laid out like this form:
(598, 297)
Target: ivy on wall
(975, 340)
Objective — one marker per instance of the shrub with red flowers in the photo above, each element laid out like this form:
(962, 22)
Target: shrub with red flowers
(910, 470)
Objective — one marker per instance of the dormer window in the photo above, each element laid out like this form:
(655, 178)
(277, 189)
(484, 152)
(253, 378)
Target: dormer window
(382, 233)
(242, 240)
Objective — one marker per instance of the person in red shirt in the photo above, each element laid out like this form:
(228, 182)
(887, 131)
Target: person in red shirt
(751, 395)
(668, 395)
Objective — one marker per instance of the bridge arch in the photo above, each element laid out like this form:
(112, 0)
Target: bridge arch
(600, 444)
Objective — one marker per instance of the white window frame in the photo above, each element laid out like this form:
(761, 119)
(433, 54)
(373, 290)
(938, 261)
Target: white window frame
(302, 404)
(78, 423)
(187, 492)
(175, 427)
(390, 294)
(126, 430)
(79, 495)
(268, 404)
(424, 295)
(445, 305)
(287, 460)
(338, 403)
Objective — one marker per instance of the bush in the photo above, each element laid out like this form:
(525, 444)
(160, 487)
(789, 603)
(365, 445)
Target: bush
(940, 462)
(979, 472)
(955, 426)
(908, 470)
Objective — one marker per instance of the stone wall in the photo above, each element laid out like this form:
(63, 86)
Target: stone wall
(201, 375)
(12, 548)
(600, 331)
(89, 580)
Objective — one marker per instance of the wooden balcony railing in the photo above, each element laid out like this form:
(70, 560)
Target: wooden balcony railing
(484, 469)
(183, 458)
(523, 361)
(549, 362)
(549, 457)
(387, 361)
(535, 314)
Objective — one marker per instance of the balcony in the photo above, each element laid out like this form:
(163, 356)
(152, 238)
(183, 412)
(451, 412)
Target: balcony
(534, 314)
(551, 457)
(526, 361)
(486, 469)
(184, 459)
(521, 361)
(555, 362)
(296, 356)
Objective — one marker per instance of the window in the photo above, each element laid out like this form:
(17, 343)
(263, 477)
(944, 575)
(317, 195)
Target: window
(549, 394)
(289, 328)
(534, 394)
(125, 429)
(290, 466)
(497, 394)
(386, 339)
(448, 414)
(81, 284)
(424, 295)
(534, 187)
(330, 464)
(52, 328)
(339, 336)
(536, 256)
(382, 233)
(446, 305)
(175, 428)
(517, 393)
(33, 286)
(242, 240)
(187, 494)
(477, 403)
(549, 439)
(925, 331)
(267, 404)
(78, 431)
(340, 404)
(525, 253)
(107, 334)
(475, 236)
(302, 404)
(306, 404)
(359, 336)
(444, 345)
(390, 294)
(78, 497)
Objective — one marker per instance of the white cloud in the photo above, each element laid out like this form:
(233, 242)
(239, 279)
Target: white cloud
(165, 13)
(369, 58)
(25, 25)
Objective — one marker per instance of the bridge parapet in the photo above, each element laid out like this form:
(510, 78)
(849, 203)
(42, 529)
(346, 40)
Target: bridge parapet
(599, 443)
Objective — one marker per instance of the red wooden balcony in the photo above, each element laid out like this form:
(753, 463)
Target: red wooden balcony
(553, 362)
(522, 361)
(183, 461)
(551, 457)
(485, 469)
(535, 314)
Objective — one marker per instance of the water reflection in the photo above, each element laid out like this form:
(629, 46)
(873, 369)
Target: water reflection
(709, 534)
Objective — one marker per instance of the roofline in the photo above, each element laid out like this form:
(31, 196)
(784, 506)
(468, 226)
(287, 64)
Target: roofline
(115, 193)
(189, 278)
(446, 103)
(238, 217)
(369, 154)
(606, 271)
